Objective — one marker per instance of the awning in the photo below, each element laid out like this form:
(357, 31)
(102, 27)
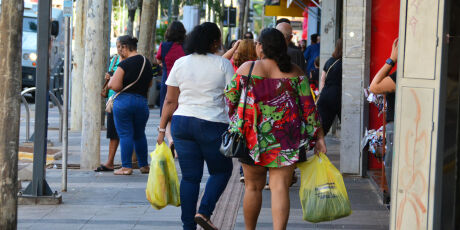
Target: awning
(288, 8)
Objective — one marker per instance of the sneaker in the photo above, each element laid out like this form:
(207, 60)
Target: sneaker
(242, 179)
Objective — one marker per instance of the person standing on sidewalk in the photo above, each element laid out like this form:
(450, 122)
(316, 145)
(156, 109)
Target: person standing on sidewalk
(280, 124)
(311, 52)
(330, 97)
(130, 108)
(169, 51)
(111, 130)
(385, 83)
(195, 104)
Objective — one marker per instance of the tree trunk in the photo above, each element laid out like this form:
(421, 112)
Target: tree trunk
(148, 28)
(241, 18)
(132, 7)
(246, 17)
(94, 71)
(78, 66)
(106, 56)
(10, 77)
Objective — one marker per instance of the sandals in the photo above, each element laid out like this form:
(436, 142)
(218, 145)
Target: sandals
(204, 222)
(123, 171)
(103, 168)
(145, 169)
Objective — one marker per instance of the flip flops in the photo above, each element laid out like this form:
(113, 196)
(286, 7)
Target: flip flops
(204, 222)
(103, 168)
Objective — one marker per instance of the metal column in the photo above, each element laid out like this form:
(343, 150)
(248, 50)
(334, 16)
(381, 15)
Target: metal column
(39, 188)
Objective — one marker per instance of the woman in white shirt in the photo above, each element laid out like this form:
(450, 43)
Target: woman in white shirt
(195, 104)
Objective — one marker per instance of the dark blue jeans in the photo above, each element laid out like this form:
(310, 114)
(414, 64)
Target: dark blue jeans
(131, 114)
(197, 141)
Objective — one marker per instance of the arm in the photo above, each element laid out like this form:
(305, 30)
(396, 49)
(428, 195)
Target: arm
(169, 106)
(116, 82)
(311, 117)
(322, 81)
(382, 83)
(230, 52)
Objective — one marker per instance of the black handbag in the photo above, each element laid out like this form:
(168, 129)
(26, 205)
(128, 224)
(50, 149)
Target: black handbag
(233, 143)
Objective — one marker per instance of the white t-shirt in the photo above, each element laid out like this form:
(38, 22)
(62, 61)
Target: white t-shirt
(201, 80)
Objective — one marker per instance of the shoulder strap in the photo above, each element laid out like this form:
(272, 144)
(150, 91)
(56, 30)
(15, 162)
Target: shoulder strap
(246, 94)
(165, 48)
(332, 66)
(138, 77)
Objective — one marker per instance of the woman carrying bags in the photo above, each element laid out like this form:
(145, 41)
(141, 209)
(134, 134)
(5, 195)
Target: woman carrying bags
(131, 81)
(280, 124)
(196, 108)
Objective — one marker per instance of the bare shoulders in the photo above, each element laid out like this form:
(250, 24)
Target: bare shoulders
(245, 67)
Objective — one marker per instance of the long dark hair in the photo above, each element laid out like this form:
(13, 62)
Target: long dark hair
(274, 47)
(129, 41)
(175, 32)
(202, 38)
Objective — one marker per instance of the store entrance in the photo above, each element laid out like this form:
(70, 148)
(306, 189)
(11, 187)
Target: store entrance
(450, 210)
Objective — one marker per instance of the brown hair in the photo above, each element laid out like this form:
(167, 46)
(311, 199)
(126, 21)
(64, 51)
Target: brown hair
(246, 52)
(338, 49)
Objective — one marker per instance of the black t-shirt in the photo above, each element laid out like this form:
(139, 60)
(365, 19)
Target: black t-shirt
(132, 66)
(334, 76)
(391, 102)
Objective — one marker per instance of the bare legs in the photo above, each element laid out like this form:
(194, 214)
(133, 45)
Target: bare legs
(280, 179)
(254, 182)
(113, 146)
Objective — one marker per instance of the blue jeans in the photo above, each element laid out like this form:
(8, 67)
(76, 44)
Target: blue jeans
(197, 141)
(131, 114)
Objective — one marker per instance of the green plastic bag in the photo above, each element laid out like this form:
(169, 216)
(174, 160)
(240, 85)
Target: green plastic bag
(163, 183)
(322, 192)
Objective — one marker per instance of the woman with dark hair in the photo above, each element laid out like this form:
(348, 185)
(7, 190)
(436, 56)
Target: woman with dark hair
(131, 81)
(280, 124)
(168, 53)
(330, 98)
(195, 104)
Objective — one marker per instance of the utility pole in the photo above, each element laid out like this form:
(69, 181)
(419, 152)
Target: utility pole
(78, 65)
(148, 28)
(10, 76)
(93, 72)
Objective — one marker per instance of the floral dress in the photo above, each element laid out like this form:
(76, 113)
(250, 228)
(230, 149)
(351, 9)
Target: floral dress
(280, 116)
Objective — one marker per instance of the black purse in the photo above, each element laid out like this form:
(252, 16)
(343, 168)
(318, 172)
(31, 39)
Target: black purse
(233, 143)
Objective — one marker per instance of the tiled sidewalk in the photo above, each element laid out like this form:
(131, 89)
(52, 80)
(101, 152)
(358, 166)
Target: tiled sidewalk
(105, 201)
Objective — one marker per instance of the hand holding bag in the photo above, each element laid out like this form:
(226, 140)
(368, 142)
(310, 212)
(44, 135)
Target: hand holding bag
(233, 143)
(105, 87)
(109, 104)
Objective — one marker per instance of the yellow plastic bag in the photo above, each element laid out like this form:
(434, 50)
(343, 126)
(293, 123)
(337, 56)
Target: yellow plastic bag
(163, 183)
(322, 192)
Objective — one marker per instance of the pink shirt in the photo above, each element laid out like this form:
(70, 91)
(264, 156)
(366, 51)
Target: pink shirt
(174, 53)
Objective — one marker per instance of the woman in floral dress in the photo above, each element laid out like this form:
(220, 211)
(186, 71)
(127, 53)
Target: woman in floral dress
(281, 124)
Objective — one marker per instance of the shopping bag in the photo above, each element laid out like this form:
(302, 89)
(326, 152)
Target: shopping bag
(163, 183)
(322, 192)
